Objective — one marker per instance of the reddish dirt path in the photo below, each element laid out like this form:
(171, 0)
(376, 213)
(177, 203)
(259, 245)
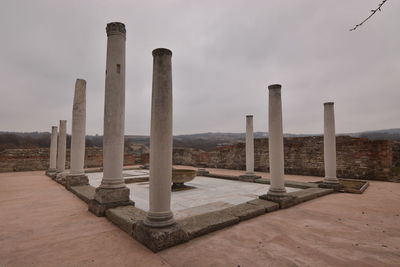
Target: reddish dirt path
(42, 224)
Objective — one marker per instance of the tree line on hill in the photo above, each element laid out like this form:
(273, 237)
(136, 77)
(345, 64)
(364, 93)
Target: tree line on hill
(203, 141)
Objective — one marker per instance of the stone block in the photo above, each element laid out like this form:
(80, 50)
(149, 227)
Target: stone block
(157, 239)
(284, 201)
(267, 205)
(335, 187)
(309, 194)
(206, 223)
(84, 192)
(126, 217)
(99, 209)
(76, 180)
(245, 211)
(106, 195)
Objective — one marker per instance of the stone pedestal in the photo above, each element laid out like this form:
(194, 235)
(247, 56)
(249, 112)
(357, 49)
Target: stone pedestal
(53, 153)
(76, 174)
(277, 189)
(160, 214)
(330, 181)
(61, 152)
(249, 176)
(113, 191)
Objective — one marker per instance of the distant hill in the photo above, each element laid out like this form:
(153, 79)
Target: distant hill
(204, 141)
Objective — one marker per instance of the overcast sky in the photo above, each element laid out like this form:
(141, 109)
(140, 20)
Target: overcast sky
(225, 54)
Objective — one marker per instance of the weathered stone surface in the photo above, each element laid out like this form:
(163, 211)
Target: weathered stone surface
(76, 180)
(99, 209)
(105, 195)
(158, 239)
(335, 187)
(267, 205)
(84, 192)
(125, 217)
(284, 201)
(248, 178)
(207, 223)
(310, 193)
(245, 211)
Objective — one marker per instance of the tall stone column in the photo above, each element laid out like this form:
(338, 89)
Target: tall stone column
(113, 192)
(53, 152)
(249, 175)
(76, 174)
(277, 189)
(62, 150)
(330, 146)
(160, 214)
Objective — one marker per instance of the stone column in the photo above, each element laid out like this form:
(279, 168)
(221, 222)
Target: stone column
(277, 189)
(160, 214)
(53, 152)
(112, 192)
(76, 174)
(62, 150)
(330, 146)
(249, 175)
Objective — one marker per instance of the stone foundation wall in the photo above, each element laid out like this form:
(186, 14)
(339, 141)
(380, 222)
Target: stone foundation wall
(356, 157)
(38, 159)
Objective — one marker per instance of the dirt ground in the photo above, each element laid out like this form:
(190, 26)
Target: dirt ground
(42, 224)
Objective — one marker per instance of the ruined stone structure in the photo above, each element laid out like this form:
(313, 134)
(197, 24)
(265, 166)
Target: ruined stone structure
(36, 159)
(358, 158)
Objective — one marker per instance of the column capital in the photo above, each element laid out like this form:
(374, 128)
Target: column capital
(274, 87)
(249, 116)
(161, 52)
(114, 28)
(328, 103)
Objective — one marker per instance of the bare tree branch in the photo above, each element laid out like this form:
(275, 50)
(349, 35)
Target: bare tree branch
(373, 12)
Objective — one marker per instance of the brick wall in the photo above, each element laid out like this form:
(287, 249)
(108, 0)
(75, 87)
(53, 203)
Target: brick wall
(356, 157)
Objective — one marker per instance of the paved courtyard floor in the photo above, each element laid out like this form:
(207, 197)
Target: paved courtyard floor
(42, 224)
(208, 194)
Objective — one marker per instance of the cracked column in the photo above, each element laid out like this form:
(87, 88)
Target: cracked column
(249, 175)
(330, 147)
(277, 190)
(61, 151)
(113, 192)
(160, 214)
(76, 174)
(53, 152)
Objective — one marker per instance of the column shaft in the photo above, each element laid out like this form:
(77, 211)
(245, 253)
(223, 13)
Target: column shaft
(330, 144)
(249, 145)
(114, 108)
(160, 214)
(53, 150)
(276, 149)
(62, 146)
(78, 129)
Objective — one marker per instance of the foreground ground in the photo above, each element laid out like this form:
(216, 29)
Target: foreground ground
(42, 224)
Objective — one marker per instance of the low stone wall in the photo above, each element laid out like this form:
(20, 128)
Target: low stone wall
(38, 159)
(356, 157)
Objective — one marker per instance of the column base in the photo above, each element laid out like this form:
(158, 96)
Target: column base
(159, 219)
(248, 177)
(158, 239)
(279, 196)
(105, 199)
(59, 177)
(76, 180)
